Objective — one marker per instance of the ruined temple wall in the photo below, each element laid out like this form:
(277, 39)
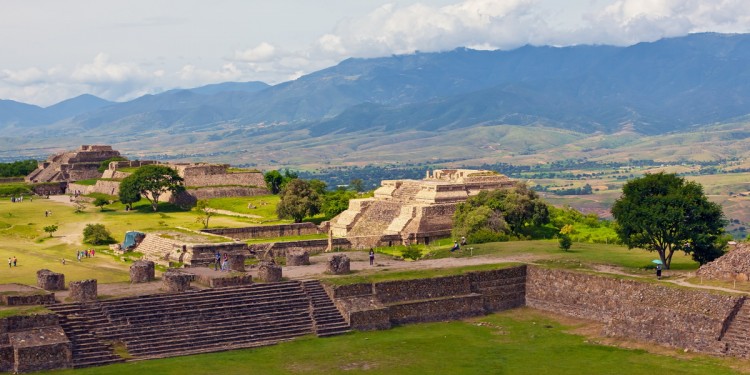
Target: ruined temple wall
(243, 179)
(267, 231)
(667, 315)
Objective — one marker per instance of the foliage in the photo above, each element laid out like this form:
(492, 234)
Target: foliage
(15, 189)
(204, 212)
(357, 184)
(298, 199)
(336, 202)
(105, 164)
(97, 234)
(100, 202)
(150, 182)
(664, 213)
(17, 168)
(79, 206)
(565, 241)
(411, 252)
(485, 235)
(50, 229)
(275, 180)
(503, 211)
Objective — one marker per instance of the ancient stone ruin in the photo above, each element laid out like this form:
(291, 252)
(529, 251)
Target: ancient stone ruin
(142, 271)
(83, 291)
(338, 264)
(176, 280)
(269, 272)
(734, 265)
(413, 211)
(297, 257)
(237, 262)
(75, 165)
(49, 280)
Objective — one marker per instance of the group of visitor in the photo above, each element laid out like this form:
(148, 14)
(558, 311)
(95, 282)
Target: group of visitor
(80, 254)
(12, 262)
(221, 260)
(19, 199)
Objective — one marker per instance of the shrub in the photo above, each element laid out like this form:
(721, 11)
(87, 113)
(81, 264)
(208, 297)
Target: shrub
(97, 234)
(565, 242)
(411, 252)
(485, 235)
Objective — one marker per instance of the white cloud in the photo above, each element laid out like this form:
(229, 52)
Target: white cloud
(101, 70)
(261, 53)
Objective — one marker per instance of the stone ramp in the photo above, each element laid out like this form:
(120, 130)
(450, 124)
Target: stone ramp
(736, 339)
(375, 219)
(167, 325)
(158, 249)
(328, 320)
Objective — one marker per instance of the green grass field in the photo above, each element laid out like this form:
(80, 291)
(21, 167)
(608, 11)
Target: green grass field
(520, 341)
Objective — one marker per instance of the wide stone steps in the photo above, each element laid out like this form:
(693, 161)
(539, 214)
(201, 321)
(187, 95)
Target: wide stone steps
(87, 348)
(737, 335)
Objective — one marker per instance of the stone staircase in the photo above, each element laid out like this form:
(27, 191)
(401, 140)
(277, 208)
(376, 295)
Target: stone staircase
(402, 220)
(375, 219)
(737, 336)
(158, 249)
(327, 319)
(80, 324)
(166, 325)
(407, 192)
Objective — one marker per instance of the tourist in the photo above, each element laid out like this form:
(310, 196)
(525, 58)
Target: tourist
(658, 271)
(46, 213)
(463, 241)
(78, 255)
(92, 252)
(372, 256)
(10, 263)
(217, 260)
(63, 261)
(15, 261)
(225, 263)
(455, 246)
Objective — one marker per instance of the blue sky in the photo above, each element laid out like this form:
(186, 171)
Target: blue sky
(54, 50)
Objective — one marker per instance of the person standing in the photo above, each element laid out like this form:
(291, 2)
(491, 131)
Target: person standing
(372, 256)
(225, 263)
(10, 263)
(658, 271)
(217, 260)
(15, 261)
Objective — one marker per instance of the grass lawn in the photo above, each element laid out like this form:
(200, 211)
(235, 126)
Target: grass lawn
(618, 255)
(520, 341)
(265, 206)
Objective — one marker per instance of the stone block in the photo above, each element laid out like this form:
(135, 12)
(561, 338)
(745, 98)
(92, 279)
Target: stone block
(49, 280)
(269, 272)
(177, 281)
(297, 257)
(338, 264)
(142, 271)
(83, 291)
(237, 262)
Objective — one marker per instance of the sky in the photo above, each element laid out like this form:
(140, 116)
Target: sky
(52, 50)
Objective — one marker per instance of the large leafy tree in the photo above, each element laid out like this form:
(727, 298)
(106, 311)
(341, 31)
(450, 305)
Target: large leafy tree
(275, 180)
(151, 182)
(298, 199)
(500, 212)
(664, 213)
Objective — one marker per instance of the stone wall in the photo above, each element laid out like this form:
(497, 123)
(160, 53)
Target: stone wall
(673, 316)
(142, 271)
(379, 305)
(266, 231)
(84, 290)
(27, 299)
(49, 280)
(279, 249)
(33, 343)
(734, 265)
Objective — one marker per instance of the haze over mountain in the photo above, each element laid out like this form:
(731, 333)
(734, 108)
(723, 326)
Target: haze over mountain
(671, 85)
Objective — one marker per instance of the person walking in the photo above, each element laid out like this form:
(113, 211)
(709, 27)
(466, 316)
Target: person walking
(15, 261)
(217, 260)
(10, 263)
(372, 256)
(225, 263)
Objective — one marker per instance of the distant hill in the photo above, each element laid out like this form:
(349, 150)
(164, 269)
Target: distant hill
(669, 86)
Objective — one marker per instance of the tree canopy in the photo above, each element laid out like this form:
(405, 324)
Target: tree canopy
(496, 214)
(150, 181)
(664, 213)
(299, 199)
(275, 180)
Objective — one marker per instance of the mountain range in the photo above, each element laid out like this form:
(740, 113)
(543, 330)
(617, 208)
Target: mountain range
(402, 107)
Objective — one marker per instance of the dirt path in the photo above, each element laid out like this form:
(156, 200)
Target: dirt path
(232, 213)
(674, 277)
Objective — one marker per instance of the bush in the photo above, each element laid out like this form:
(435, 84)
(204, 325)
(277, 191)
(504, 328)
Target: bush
(97, 234)
(485, 235)
(411, 252)
(565, 242)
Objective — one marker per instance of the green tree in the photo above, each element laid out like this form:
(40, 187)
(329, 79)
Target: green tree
(564, 241)
(129, 192)
(97, 234)
(502, 211)
(100, 202)
(273, 181)
(298, 200)
(205, 212)
(151, 181)
(336, 202)
(50, 229)
(664, 213)
(357, 184)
